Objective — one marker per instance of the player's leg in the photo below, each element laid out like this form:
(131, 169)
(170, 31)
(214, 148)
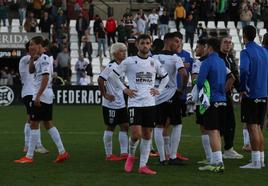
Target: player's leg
(123, 133)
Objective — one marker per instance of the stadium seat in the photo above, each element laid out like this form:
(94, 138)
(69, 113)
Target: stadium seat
(262, 32)
(74, 46)
(211, 24)
(221, 24)
(257, 40)
(15, 22)
(251, 23)
(240, 33)
(260, 25)
(230, 24)
(72, 23)
(74, 54)
(94, 45)
(91, 23)
(3, 29)
(233, 32)
(203, 23)
(237, 47)
(235, 39)
(182, 31)
(173, 29)
(73, 30)
(73, 38)
(239, 25)
(171, 24)
(15, 29)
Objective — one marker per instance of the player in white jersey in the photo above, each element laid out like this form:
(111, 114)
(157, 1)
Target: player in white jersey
(141, 71)
(27, 95)
(113, 105)
(40, 64)
(168, 105)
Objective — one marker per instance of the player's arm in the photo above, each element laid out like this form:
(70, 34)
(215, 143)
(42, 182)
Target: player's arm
(244, 71)
(31, 65)
(202, 74)
(101, 82)
(44, 83)
(164, 80)
(184, 79)
(229, 82)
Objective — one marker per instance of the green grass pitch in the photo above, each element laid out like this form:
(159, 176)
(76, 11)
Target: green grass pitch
(81, 129)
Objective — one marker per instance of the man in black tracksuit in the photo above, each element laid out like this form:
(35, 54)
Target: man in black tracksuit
(228, 131)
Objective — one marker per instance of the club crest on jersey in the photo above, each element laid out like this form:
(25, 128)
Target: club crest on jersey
(152, 63)
(136, 62)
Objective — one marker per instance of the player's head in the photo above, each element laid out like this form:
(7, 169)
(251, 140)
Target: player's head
(118, 51)
(27, 45)
(144, 43)
(158, 45)
(226, 44)
(36, 45)
(180, 36)
(265, 41)
(200, 48)
(249, 33)
(213, 45)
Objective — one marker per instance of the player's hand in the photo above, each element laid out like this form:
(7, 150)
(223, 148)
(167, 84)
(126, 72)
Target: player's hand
(130, 92)
(154, 91)
(180, 91)
(109, 97)
(37, 102)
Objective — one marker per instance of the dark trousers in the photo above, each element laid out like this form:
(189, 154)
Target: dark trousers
(190, 36)
(228, 130)
(178, 22)
(153, 29)
(110, 35)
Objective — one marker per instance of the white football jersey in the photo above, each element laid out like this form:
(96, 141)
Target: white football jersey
(141, 75)
(26, 77)
(43, 65)
(171, 63)
(112, 88)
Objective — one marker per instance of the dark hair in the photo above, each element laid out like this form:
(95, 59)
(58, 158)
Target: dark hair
(27, 46)
(38, 40)
(214, 43)
(157, 46)
(202, 42)
(265, 40)
(143, 37)
(250, 32)
(169, 36)
(178, 34)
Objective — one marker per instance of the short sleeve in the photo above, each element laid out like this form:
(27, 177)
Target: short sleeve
(179, 62)
(122, 68)
(105, 73)
(161, 72)
(45, 65)
(196, 67)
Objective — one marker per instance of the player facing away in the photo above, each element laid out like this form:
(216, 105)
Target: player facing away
(141, 71)
(168, 105)
(214, 71)
(41, 65)
(113, 105)
(27, 95)
(254, 89)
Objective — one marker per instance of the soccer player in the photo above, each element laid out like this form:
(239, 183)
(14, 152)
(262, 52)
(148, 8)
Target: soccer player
(201, 53)
(214, 71)
(254, 86)
(113, 105)
(168, 105)
(40, 64)
(141, 71)
(27, 94)
(228, 131)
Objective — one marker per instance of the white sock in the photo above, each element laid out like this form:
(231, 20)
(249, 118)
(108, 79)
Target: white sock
(32, 143)
(27, 131)
(167, 145)
(262, 157)
(39, 143)
(132, 147)
(108, 142)
(55, 135)
(256, 157)
(144, 152)
(246, 137)
(206, 146)
(217, 157)
(123, 140)
(175, 140)
(159, 141)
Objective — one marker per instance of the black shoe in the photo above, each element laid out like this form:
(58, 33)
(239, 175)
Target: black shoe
(176, 161)
(163, 163)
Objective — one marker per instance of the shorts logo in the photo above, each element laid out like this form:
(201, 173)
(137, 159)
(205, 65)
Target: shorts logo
(6, 96)
(111, 120)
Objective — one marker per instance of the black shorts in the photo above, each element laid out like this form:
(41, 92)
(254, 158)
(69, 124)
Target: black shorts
(113, 117)
(199, 117)
(183, 107)
(144, 116)
(169, 109)
(253, 110)
(43, 113)
(215, 116)
(27, 101)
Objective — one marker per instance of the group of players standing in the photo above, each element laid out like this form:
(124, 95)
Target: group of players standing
(154, 99)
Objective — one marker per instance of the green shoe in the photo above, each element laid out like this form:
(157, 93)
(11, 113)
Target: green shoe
(213, 168)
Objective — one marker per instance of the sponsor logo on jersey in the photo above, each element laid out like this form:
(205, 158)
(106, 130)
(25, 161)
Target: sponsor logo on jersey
(142, 77)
